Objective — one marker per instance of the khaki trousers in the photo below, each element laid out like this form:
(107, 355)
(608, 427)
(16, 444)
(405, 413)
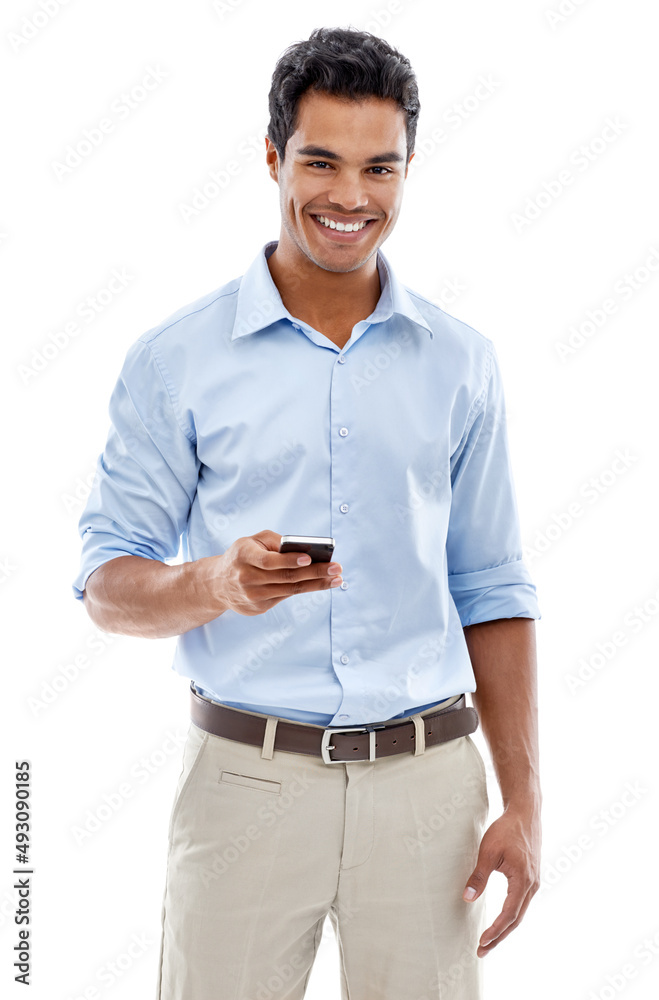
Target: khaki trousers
(264, 844)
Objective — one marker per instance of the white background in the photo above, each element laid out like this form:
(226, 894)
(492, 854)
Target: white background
(588, 519)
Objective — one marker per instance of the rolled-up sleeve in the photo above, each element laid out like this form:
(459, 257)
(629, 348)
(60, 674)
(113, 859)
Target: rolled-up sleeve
(147, 475)
(487, 576)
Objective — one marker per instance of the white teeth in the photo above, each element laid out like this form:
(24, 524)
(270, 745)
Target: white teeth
(351, 227)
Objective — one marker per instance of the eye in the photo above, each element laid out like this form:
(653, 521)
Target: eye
(324, 163)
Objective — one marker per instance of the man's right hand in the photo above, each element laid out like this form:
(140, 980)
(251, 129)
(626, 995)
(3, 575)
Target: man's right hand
(253, 575)
(133, 595)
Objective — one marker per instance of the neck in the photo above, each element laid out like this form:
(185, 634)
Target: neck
(323, 298)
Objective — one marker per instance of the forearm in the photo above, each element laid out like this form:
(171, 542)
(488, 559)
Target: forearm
(130, 595)
(503, 658)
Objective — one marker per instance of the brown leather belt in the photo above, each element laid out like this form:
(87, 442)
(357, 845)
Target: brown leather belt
(353, 743)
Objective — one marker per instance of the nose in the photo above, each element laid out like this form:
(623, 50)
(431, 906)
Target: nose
(348, 191)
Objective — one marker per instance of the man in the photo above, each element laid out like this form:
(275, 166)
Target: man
(329, 767)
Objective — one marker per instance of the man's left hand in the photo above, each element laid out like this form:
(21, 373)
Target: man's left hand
(510, 845)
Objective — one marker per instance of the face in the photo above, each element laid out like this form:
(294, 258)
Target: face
(326, 172)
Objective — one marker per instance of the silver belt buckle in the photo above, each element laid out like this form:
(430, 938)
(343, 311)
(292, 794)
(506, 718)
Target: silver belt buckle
(326, 746)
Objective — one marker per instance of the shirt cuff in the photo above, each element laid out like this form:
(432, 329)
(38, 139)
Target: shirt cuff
(103, 547)
(504, 591)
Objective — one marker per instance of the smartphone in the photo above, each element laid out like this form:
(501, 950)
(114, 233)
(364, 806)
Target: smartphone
(320, 549)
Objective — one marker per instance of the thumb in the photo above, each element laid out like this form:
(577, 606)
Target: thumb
(267, 539)
(476, 882)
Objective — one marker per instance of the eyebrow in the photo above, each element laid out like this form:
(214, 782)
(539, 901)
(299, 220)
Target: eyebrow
(391, 157)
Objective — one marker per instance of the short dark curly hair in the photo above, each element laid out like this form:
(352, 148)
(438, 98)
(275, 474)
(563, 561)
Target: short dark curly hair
(347, 63)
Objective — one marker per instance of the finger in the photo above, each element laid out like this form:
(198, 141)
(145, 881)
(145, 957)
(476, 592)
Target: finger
(515, 904)
(283, 567)
(276, 593)
(485, 949)
(264, 553)
(309, 577)
(315, 576)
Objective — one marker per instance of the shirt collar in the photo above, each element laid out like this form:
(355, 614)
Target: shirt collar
(260, 304)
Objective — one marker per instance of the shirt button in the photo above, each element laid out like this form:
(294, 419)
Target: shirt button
(342, 361)
(344, 508)
(296, 326)
(345, 659)
(344, 716)
(344, 586)
(343, 432)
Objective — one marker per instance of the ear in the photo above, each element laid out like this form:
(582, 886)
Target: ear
(272, 158)
(408, 163)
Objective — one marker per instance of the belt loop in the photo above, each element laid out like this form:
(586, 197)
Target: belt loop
(419, 734)
(269, 737)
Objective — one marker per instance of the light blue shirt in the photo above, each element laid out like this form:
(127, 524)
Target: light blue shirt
(232, 416)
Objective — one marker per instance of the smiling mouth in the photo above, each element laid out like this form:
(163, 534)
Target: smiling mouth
(340, 235)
